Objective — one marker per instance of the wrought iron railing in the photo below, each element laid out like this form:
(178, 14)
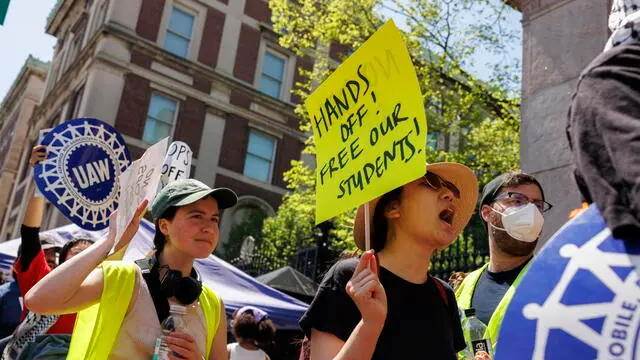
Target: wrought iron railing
(266, 260)
(262, 261)
(468, 253)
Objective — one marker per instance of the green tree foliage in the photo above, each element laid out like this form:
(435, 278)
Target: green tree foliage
(477, 122)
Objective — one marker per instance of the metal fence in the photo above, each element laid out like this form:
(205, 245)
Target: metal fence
(263, 261)
(466, 254)
(260, 262)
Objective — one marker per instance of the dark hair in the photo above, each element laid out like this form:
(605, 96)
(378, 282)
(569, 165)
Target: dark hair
(67, 247)
(516, 178)
(246, 327)
(159, 240)
(380, 225)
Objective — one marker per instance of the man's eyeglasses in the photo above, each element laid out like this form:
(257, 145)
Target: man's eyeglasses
(436, 182)
(517, 199)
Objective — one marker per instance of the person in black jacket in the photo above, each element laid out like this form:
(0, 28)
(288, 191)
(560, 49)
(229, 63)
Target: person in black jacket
(603, 126)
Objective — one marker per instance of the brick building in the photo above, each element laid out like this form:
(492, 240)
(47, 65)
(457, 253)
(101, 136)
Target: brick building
(16, 109)
(206, 72)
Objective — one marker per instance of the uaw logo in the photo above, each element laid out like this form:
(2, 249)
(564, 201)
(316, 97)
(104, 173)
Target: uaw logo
(80, 175)
(580, 298)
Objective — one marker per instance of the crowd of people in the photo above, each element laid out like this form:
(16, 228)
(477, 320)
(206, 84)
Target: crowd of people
(362, 305)
(61, 293)
(78, 300)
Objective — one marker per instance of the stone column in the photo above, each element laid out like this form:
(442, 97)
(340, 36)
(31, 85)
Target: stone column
(560, 38)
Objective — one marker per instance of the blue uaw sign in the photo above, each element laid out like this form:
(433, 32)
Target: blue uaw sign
(580, 298)
(80, 175)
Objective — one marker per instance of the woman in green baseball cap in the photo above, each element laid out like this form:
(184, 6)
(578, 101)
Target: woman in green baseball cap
(122, 305)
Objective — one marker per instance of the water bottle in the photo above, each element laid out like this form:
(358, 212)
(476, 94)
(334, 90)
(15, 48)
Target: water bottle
(466, 354)
(475, 333)
(175, 322)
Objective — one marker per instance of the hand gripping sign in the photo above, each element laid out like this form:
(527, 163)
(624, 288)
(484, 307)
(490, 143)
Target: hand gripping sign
(41, 135)
(80, 175)
(177, 163)
(369, 125)
(580, 299)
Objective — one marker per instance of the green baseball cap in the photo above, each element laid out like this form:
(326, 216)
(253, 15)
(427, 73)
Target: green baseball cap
(187, 191)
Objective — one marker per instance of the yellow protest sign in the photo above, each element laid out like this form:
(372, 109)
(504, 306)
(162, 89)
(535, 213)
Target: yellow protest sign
(369, 125)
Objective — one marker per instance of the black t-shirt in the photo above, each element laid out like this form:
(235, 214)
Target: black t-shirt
(419, 324)
(490, 290)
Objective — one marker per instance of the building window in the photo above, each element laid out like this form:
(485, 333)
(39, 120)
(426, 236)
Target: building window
(160, 118)
(76, 101)
(273, 66)
(178, 35)
(260, 154)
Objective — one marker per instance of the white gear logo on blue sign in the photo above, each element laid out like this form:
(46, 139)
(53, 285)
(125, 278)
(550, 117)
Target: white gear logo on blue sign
(80, 175)
(580, 298)
(619, 331)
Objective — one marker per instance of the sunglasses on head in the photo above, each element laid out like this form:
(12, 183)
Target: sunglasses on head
(436, 182)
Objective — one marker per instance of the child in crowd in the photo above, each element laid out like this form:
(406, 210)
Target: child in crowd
(252, 330)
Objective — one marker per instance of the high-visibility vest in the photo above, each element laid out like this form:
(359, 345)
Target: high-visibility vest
(464, 295)
(97, 327)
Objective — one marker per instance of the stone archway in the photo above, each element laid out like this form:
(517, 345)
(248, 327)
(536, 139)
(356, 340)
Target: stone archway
(248, 210)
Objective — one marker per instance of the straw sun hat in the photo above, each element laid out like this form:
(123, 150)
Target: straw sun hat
(459, 175)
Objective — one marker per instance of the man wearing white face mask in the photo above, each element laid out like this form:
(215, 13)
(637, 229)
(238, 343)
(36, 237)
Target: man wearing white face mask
(511, 207)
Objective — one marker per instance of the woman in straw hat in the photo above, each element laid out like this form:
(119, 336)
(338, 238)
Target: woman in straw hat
(385, 305)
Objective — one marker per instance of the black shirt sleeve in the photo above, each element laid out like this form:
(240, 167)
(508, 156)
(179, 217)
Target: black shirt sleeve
(332, 310)
(30, 244)
(456, 327)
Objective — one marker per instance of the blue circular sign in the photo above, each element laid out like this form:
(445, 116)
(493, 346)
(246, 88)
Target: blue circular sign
(80, 174)
(580, 298)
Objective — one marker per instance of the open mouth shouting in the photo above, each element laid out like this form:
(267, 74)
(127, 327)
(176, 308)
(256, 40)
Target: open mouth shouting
(447, 215)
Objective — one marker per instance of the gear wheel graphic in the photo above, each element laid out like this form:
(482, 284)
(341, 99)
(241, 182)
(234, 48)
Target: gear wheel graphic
(53, 176)
(580, 298)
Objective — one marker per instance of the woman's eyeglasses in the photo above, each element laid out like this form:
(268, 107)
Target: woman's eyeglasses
(518, 199)
(436, 182)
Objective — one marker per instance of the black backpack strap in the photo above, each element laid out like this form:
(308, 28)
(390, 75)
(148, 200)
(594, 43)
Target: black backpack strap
(152, 278)
(443, 292)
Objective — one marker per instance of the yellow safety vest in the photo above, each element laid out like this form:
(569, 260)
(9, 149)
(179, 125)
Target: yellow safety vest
(464, 295)
(97, 327)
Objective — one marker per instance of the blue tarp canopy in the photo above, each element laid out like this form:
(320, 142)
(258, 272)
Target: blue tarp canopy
(236, 288)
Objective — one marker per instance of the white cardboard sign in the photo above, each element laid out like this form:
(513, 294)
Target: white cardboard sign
(140, 181)
(177, 163)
